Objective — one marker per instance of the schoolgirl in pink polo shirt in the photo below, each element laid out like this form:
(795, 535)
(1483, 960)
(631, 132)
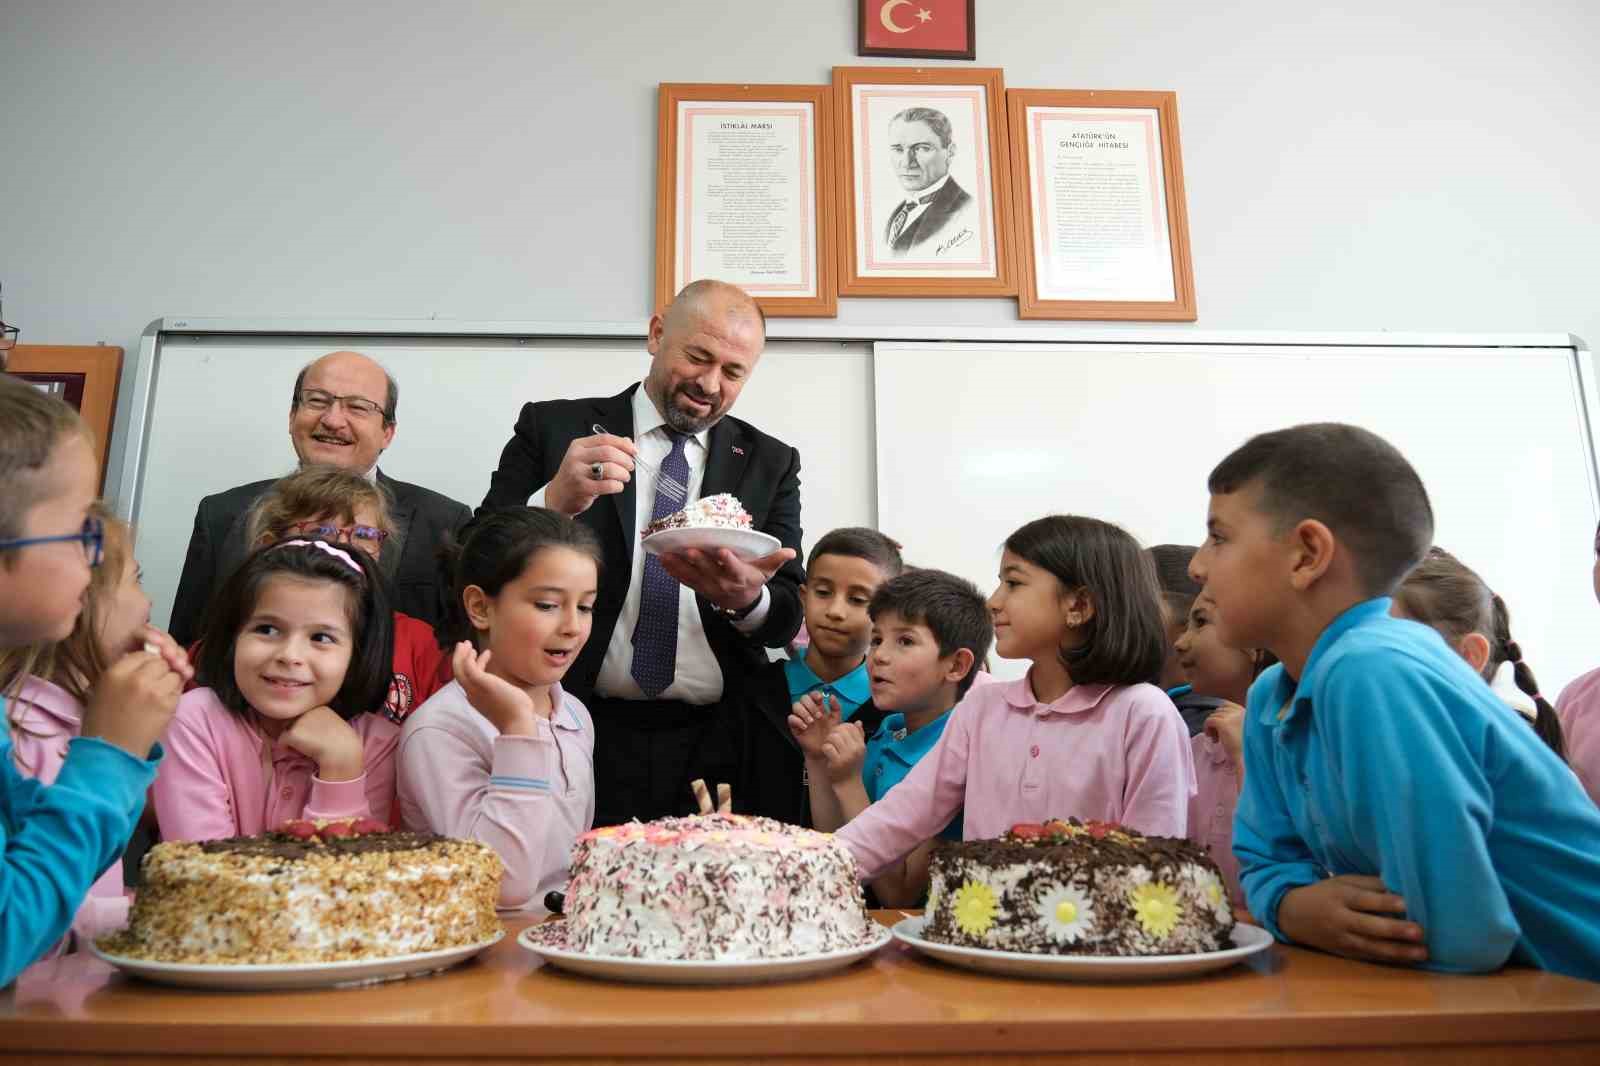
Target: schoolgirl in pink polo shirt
(297, 650)
(1085, 734)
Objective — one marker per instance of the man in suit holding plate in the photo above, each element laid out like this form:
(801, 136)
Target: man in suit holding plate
(674, 634)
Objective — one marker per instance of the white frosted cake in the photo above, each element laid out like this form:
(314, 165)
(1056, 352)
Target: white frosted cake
(713, 886)
(722, 511)
(321, 892)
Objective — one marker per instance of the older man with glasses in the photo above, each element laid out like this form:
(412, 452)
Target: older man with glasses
(341, 413)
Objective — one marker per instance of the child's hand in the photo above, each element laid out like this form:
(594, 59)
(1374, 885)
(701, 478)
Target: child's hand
(157, 642)
(1226, 727)
(810, 721)
(844, 751)
(134, 700)
(327, 740)
(1343, 915)
(507, 707)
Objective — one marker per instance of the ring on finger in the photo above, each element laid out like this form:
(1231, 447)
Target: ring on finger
(597, 471)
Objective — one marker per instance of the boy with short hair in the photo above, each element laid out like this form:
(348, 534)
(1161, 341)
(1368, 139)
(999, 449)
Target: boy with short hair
(930, 630)
(1392, 810)
(1178, 593)
(845, 568)
(56, 840)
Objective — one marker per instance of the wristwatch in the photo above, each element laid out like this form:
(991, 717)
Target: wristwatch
(739, 614)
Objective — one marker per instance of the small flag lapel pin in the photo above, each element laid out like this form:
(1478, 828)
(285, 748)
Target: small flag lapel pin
(737, 450)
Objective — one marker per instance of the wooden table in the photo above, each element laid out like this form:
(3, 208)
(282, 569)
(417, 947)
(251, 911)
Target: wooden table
(1286, 1005)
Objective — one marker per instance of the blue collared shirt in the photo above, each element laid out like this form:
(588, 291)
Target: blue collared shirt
(892, 752)
(852, 690)
(1393, 759)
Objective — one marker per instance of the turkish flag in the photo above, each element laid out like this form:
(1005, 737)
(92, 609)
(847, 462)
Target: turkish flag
(934, 25)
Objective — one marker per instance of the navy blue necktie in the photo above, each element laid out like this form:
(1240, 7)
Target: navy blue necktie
(655, 638)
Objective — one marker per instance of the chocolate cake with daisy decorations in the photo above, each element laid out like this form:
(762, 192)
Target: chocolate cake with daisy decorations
(1067, 887)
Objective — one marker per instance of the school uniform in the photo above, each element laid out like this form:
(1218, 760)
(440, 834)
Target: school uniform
(1212, 808)
(892, 752)
(1393, 759)
(1193, 709)
(528, 798)
(1578, 708)
(225, 778)
(1115, 753)
(56, 840)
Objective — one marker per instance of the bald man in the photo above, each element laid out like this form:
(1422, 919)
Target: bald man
(341, 413)
(674, 637)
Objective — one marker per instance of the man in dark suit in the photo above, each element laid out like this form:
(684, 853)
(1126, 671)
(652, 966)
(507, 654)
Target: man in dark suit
(920, 148)
(342, 413)
(674, 636)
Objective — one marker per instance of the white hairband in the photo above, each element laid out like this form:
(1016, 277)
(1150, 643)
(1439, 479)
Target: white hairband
(337, 553)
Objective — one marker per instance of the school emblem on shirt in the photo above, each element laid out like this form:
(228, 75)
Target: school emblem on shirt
(402, 694)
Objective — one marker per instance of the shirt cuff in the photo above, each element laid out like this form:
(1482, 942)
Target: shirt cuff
(338, 799)
(521, 763)
(758, 614)
(537, 499)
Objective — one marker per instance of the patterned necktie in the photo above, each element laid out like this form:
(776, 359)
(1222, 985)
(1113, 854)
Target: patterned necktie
(897, 224)
(655, 638)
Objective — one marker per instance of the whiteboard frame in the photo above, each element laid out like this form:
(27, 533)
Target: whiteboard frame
(124, 480)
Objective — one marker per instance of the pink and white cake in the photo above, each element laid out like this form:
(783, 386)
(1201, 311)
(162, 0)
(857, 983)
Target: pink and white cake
(722, 511)
(713, 886)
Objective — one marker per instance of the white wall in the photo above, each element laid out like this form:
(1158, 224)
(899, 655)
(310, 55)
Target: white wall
(1412, 164)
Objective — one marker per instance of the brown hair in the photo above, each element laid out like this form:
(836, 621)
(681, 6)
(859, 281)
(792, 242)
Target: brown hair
(78, 662)
(309, 493)
(31, 425)
(1448, 596)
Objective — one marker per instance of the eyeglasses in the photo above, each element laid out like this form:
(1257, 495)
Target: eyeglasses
(319, 401)
(92, 536)
(369, 535)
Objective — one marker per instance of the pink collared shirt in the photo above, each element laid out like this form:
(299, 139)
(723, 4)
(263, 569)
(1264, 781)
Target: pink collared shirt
(223, 778)
(1117, 753)
(43, 718)
(1211, 808)
(1578, 708)
(528, 798)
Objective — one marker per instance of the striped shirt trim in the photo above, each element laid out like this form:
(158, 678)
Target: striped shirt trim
(510, 781)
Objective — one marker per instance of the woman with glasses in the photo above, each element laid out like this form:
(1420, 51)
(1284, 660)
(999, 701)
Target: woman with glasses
(328, 503)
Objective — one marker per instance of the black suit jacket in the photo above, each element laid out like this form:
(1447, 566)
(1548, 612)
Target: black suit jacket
(762, 471)
(422, 518)
(947, 203)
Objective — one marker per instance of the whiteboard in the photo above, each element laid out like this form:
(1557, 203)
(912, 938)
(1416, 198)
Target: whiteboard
(976, 439)
(218, 409)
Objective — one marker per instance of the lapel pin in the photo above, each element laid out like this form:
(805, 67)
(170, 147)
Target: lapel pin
(737, 450)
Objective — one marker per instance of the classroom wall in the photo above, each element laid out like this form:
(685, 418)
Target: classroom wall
(1406, 165)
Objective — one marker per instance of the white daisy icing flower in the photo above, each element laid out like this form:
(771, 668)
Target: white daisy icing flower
(1066, 913)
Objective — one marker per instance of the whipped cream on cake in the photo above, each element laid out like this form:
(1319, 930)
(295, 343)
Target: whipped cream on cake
(1067, 887)
(713, 886)
(323, 891)
(722, 511)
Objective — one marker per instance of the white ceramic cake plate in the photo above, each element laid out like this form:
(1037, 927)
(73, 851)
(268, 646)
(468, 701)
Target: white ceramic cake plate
(1247, 941)
(256, 978)
(691, 971)
(745, 543)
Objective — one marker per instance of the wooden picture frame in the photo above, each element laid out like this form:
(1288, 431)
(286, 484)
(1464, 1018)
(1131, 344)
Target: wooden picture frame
(799, 252)
(86, 376)
(882, 30)
(885, 250)
(1154, 273)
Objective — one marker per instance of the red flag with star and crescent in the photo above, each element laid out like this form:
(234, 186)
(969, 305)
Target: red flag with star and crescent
(935, 25)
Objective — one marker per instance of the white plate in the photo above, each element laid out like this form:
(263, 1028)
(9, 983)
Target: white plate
(1247, 941)
(745, 543)
(295, 974)
(692, 971)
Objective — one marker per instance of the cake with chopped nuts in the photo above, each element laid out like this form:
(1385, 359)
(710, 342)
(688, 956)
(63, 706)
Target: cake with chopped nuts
(311, 892)
(1067, 887)
(722, 511)
(713, 886)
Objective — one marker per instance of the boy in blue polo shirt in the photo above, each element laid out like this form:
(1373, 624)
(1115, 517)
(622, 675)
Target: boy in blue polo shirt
(844, 570)
(1392, 811)
(930, 630)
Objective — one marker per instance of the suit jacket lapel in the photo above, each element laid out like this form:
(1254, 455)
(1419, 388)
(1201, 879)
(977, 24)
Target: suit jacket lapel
(729, 450)
(401, 514)
(616, 415)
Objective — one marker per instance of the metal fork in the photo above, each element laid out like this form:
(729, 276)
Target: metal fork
(666, 482)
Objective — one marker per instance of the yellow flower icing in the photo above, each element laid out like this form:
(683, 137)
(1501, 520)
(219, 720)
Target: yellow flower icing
(975, 908)
(1156, 906)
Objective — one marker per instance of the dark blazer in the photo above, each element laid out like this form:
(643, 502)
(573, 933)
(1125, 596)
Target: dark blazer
(947, 203)
(762, 471)
(421, 519)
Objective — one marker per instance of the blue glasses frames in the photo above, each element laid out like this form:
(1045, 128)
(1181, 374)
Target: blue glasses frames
(92, 536)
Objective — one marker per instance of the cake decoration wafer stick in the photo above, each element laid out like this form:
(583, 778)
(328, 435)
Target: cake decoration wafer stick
(702, 797)
(724, 798)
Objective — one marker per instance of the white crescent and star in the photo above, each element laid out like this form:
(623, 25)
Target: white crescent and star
(886, 16)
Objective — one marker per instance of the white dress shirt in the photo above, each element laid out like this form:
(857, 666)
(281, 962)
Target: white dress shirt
(697, 676)
(921, 201)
